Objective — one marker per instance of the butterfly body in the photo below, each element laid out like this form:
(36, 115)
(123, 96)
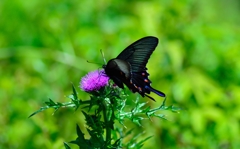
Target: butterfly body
(129, 67)
(119, 70)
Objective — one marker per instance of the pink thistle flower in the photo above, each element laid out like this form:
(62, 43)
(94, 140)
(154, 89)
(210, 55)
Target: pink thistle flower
(94, 81)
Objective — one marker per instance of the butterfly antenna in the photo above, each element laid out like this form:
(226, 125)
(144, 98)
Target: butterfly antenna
(93, 62)
(103, 57)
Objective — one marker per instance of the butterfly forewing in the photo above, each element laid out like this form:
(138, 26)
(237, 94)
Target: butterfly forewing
(138, 53)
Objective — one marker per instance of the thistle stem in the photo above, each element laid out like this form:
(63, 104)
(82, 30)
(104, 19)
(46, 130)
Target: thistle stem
(107, 118)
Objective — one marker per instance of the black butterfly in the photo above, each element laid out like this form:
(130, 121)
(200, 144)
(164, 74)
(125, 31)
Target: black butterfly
(130, 67)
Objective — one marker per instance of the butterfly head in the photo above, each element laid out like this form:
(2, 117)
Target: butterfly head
(104, 66)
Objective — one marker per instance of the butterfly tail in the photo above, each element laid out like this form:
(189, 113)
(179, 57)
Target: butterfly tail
(155, 91)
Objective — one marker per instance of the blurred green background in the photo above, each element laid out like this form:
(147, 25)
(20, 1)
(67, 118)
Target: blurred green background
(44, 46)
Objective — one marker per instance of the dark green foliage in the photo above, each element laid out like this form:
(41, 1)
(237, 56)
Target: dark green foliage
(66, 145)
(108, 103)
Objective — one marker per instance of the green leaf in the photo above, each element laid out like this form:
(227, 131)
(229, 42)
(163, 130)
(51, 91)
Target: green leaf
(66, 145)
(75, 99)
(144, 140)
(40, 110)
(51, 103)
(80, 141)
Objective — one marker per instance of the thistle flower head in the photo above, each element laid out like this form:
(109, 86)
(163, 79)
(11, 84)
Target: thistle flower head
(94, 81)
